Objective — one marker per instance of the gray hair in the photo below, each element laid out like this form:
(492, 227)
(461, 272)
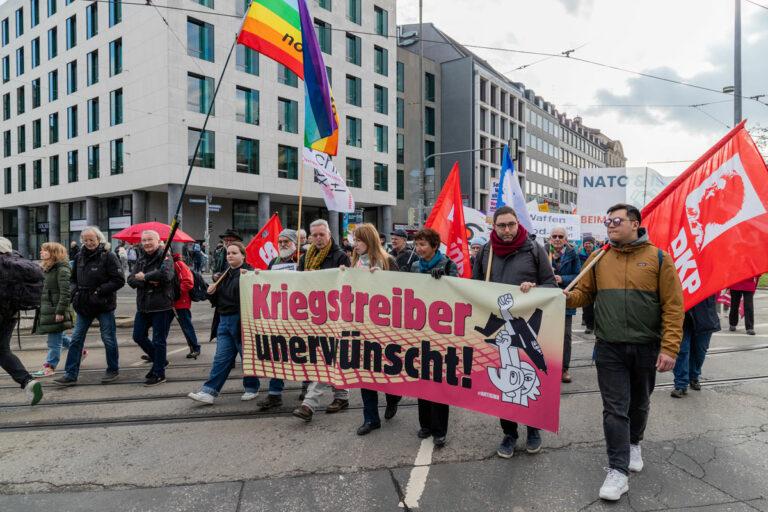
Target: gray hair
(5, 245)
(320, 222)
(559, 228)
(151, 232)
(96, 231)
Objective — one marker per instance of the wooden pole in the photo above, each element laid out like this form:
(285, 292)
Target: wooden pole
(490, 262)
(301, 192)
(586, 269)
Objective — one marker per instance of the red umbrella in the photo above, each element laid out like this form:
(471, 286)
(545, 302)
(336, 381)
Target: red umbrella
(132, 234)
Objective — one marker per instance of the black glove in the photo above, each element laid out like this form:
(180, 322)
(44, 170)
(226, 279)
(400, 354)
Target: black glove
(437, 273)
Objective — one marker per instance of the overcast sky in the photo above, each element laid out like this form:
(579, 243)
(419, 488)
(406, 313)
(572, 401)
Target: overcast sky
(687, 40)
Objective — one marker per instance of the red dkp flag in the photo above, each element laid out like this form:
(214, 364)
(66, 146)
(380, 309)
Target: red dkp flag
(263, 248)
(447, 218)
(713, 219)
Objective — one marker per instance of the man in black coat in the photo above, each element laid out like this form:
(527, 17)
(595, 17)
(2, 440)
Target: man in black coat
(152, 277)
(96, 277)
(404, 256)
(701, 321)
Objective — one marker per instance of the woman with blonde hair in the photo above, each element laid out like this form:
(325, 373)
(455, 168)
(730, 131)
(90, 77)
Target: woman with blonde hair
(54, 315)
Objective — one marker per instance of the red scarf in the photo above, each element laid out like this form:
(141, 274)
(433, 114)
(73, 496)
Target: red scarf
(502, 248)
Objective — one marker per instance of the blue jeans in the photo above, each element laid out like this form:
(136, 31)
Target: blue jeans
(56, 340)
(690, 358)
(276, 387)
(108, 337)
(228, 345)
(371, 405)
(160, 322)
(184, 316)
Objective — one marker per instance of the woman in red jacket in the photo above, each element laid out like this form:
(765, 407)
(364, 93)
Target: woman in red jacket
(744, 289)
(183, 306)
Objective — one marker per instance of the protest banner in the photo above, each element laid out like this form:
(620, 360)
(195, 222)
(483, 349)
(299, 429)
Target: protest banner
(477, 345)
(544, 222)
(337, 196)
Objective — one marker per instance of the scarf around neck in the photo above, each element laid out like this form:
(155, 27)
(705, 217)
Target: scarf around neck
(314, 257)
(426, 266)
(503, 248)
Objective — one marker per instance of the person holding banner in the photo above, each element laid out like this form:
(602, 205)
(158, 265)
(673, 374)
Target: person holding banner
(400, 251)
(516, 260)
(433, 416)
(225, 295)
(588, 311)
(566, 264)
(639, 314)
(369, 254)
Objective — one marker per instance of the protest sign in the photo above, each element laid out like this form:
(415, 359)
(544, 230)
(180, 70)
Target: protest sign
(544, 222)
(337, 196)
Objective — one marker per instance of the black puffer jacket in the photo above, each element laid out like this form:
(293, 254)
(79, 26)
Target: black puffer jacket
(702, 318)
(155, 292)
(404, 259)
(226, 298)
(95, 280)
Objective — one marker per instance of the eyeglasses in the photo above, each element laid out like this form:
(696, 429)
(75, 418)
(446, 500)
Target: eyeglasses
(558, 237)
(508, 225)
(616, 221)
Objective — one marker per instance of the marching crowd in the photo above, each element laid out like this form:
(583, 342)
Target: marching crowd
(631, 300)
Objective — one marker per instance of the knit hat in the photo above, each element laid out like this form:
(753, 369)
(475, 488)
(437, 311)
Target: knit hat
(5, 245)
(290, 234)
(478, 240)
(588, 238)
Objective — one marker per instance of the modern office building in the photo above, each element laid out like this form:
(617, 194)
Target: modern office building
(103, 104)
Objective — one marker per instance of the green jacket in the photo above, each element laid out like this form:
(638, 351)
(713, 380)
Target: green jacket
(55, 300)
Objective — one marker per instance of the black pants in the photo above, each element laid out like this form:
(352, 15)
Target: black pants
(626, 375)
(8, 361)
(588, 314)
(371, 405)
(749, 309)
(567, 338)
(510, 429)
(433, 416)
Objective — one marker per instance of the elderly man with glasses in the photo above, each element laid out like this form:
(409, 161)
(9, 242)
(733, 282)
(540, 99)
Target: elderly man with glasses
(567, 265)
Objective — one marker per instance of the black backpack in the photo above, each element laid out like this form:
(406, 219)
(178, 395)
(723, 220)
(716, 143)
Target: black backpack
(22, 280)
(199, 291)
(175, 286)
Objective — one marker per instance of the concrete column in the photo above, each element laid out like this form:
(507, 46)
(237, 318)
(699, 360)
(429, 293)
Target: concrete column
(174, 194)
(54, 222)
(264, 208)
(23, 221)
(333, 223)
(138, 206)
(92, 211)
(386, 221)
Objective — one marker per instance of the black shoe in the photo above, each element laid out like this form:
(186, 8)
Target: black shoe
(751, 332)
(695, 385)
(109, 377)
(439, 441)
(270, 402)
(367, 428)
(146, 358)
(587, 331)
(678, 393)
(154, 380)
(65, 381)
(732, 328)
(193, 354)
(423, 433)
(390, 411)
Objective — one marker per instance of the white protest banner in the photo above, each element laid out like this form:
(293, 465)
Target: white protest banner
(477, 224)
(543, 222)
(337, 196)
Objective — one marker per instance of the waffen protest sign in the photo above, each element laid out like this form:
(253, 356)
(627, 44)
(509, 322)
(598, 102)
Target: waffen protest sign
(481, 346)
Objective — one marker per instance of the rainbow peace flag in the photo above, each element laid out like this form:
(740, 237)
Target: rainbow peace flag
(283, 31)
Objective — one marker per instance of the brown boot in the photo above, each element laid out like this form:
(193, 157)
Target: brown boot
(336, 406)
(270, 402)
(303, 412)
(566, 377)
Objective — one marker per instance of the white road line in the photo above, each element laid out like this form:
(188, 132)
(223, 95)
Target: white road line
(418, 479)
(141, 362)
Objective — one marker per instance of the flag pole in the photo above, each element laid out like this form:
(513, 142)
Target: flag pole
(175, 222)
(490, 262)
(301, 195)
(604, 249)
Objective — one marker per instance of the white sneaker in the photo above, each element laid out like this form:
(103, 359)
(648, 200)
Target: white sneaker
(635, 458)
(616, 484)
(202, 397)
(248, 396)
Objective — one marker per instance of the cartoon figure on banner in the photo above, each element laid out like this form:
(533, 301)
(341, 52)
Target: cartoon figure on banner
(517, 380)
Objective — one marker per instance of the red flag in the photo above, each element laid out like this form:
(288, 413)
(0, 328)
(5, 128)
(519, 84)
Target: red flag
(714, 217)
(263, 248)
(447, 218)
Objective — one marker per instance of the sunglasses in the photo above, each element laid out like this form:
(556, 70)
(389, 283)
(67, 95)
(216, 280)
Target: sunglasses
(558, 237)
(616, 222)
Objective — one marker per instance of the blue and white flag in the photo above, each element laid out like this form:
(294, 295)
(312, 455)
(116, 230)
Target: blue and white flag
(510, 193)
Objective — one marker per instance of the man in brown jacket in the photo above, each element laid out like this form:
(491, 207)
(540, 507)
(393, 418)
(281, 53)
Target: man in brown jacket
(639, 315)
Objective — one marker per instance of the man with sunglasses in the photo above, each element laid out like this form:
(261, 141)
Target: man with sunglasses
(639, 326)
(567, 265)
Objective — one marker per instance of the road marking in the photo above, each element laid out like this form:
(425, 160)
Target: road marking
(141, 362)
(418, 479)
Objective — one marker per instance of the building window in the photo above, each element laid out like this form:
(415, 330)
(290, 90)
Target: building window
(494, 122)
(7, 143)
(72, 166)
(400, 148)
(354, 49)
(20, 103)
(206, 155)
(93, 115)
(53, 170)
(116, 156)
(400, 77)
(381, 60)
(92, 67)
(429, 87)
(7, 175)
(72, 122)
(287, 115)
(354, 172)
(400, 184)
(247, 60)
(354, 91)
(354, 132)
(53, 128)
(19, 22)
(20, 61)
(116, 57)
(93, 161)
(355, 11)
(53, 43)
(6, 68)
(381, 21)
(240, 7)
(6, 106)
(400, 113)
(380, 177)
(429, 149)
(483, 89)
(116, 107)
(429, 121)
(199, 93)
(115, 12)
(4, 32)
(34, 14)
(287, 162)
(91, 20)
(21, 139)
(22, 177)
(53, 85)
(36, 94)
(52, 7)
(71, 32)
(71, 77)
(37, 133)
(287, 77)
(200, 39)
(247, 105)
(247, 155)
(381, 134)
(324, 33)
(380, 101)
(34, 49)
(325, 4)
(205, 3)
